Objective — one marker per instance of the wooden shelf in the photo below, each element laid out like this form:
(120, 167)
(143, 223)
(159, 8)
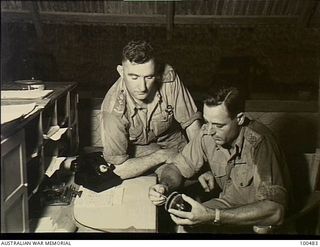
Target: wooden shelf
(37, 147)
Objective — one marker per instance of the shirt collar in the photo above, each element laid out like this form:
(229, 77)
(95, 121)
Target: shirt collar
(133, 107)
(239, 141)
(238, 144)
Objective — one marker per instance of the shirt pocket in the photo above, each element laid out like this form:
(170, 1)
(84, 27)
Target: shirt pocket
(219, 169)
(135, 133)
(161, 122)
(242, 175)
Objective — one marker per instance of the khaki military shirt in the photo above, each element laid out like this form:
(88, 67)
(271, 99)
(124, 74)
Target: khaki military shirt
(124, 124)
(254, 170)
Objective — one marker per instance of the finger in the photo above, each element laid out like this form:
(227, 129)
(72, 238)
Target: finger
(157, 191)
(175, 219)
(211, 183)
(161, 189)
(181, 214)
(189, 200)
(157, 199)
(158, 203)
(154, 194)
(203, 183)
(153, 198)
(180, 221)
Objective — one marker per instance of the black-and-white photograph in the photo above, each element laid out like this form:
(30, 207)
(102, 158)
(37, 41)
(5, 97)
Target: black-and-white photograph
(152, 119)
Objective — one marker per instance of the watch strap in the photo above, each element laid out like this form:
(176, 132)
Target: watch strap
(217, 216)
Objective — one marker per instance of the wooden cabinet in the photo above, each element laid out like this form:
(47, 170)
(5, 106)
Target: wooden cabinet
(28, 148)
(14, 197)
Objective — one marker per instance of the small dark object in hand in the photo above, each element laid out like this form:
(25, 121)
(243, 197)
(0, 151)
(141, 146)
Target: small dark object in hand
(175, 201)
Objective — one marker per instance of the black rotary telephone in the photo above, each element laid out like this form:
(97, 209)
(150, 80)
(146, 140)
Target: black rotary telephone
(94, 173)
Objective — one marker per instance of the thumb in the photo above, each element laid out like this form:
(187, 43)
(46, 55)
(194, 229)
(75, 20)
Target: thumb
(189, 200)
(161, 189)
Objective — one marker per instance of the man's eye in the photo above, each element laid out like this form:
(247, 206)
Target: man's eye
(219, 126)
(149, 77)
(134, 77)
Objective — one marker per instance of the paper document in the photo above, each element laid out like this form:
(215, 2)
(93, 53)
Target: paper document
(12, 112)
(55, 133)
(107, 198)
(24, 94)
(54, 165)
(125, 207)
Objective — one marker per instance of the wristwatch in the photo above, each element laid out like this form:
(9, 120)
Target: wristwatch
(217, 217)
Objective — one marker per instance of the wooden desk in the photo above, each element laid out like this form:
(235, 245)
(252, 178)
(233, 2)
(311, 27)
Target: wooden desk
(26, 154)
(124, 208)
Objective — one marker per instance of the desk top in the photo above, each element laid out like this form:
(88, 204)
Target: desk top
(124, 208)
(59, 88)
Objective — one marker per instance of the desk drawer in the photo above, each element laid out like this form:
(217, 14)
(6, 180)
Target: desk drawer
(12, 164)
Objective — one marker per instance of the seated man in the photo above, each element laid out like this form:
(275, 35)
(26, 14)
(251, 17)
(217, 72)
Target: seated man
(245, 162)
(144, 113)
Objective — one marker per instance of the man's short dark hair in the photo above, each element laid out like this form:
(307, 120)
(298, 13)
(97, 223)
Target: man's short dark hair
(231, 97)
(138, 51)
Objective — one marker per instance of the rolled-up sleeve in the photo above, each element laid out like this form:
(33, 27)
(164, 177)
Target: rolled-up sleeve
(185, 110)
(192, 157)
(114, 138)
(270, 168)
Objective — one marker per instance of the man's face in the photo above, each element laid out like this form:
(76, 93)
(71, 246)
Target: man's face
(218, 119)
(139, 79)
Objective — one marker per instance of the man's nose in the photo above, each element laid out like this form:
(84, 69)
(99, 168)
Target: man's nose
(212, 128)
(142, 84)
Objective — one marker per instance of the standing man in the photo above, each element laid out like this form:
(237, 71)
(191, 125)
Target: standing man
(245, 162)
(145, 113)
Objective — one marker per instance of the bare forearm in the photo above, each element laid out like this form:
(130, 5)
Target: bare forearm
(258, 213)
(136, 166)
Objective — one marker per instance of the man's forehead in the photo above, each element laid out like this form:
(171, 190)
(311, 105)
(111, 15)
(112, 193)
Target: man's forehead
(145, 68)
(215, 113)
(134, 64)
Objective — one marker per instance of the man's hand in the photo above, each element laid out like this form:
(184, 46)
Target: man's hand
(207, 181)
(156, 194)
(199, 213)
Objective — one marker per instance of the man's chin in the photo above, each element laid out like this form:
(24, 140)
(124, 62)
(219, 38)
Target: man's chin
(219, 142)
(141, 97)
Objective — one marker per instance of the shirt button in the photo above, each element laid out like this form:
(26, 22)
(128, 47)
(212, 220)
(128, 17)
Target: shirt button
(241, 184)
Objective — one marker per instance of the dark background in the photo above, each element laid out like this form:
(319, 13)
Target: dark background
(271, 48)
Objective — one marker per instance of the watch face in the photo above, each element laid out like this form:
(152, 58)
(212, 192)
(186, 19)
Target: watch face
(175, 201)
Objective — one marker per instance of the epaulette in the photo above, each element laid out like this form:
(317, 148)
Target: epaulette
(120, 103)
(252, 137)
(169, 75)
(206, 131)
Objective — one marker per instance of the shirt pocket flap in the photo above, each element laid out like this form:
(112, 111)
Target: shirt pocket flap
(242, 175)
(160, 117)
(219, 170)
(134, 133)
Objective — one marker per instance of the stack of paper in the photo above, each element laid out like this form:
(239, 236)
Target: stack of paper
(12, 112)
(24, 94)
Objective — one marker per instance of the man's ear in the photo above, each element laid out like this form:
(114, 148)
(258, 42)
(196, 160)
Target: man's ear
(120, 70)
(240, 118)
